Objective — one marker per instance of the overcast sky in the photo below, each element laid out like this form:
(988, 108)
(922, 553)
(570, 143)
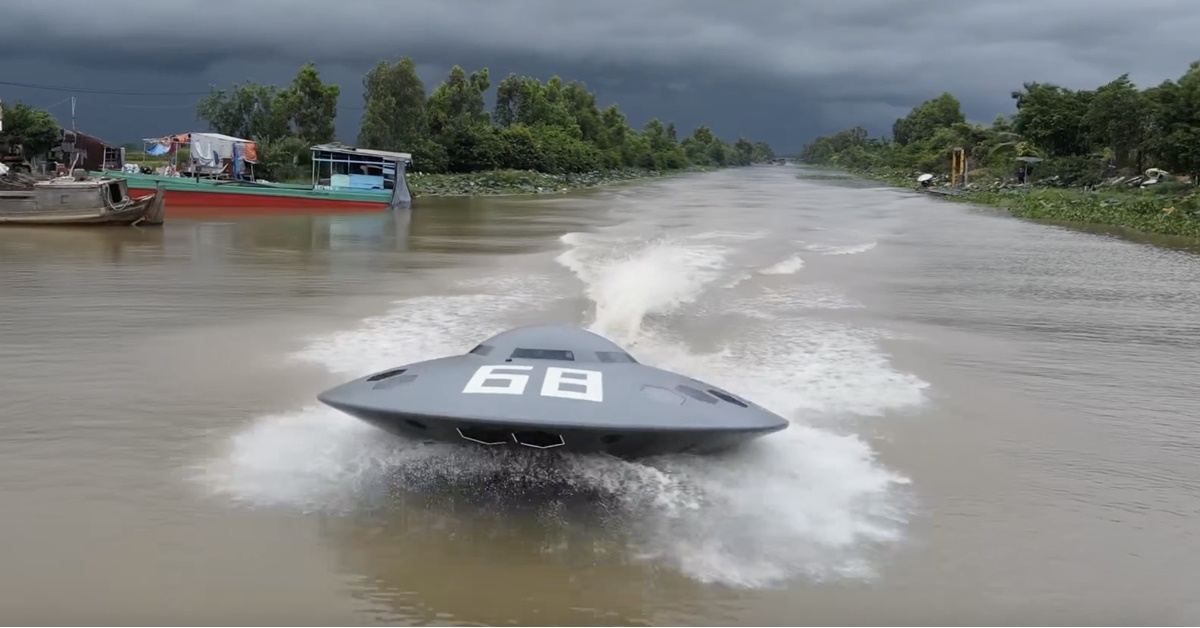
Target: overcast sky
(779, 70)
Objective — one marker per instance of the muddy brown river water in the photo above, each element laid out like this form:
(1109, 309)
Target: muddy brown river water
(994, 421)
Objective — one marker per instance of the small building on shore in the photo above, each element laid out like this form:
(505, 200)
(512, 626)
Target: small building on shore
(94, 154)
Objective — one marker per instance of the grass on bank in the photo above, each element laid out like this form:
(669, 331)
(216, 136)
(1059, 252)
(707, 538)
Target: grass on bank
(1167, 208)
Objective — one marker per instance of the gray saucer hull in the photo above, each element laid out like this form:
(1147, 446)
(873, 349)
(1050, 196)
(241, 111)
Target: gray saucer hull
(553, 388)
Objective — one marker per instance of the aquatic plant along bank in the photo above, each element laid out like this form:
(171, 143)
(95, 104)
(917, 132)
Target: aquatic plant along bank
(506, 182)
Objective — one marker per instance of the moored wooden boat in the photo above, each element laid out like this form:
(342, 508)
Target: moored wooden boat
(81, 200)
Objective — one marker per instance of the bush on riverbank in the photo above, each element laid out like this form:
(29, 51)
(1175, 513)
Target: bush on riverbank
(519, 181)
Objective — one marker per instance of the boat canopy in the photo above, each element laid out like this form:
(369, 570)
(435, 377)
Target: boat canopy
(206, 148)
(340, 167)
(339, 149)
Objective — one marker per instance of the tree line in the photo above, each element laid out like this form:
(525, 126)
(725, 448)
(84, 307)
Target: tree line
(551, 127)
(1080, 136)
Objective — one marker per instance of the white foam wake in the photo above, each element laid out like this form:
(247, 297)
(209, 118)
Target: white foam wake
(789, 266)
(641, 278)
(842, 249)
(801, 502)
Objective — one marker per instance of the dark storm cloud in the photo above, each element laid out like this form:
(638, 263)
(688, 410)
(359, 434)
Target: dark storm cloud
(769, 68)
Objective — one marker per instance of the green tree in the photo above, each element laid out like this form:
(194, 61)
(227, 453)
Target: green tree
(1176, 106)
(614, 135)
(458, 102)
(525, 100)
(659, 151)
(393, 108)
(249, 110)
(830, 149)
(704, 148)
(1119, 119)
(312, 106)
(459, 122)
(286, 157)
(34, 129)
(1054, 118)
(926, 118)
(763, 152)
(581, 105)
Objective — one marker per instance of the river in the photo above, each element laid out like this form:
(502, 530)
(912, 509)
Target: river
(993, 421)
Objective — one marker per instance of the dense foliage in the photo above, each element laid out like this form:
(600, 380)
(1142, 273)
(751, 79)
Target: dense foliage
(1081, 136)
(284, 122)
(34, 130)
(548, 127)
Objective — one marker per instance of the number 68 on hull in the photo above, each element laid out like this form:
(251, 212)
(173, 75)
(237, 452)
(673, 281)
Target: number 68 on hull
(553, 387)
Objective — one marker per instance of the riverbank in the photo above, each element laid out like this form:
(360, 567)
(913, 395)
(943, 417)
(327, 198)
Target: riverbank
(507, 182)
(495, 182)
(1166, 209)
